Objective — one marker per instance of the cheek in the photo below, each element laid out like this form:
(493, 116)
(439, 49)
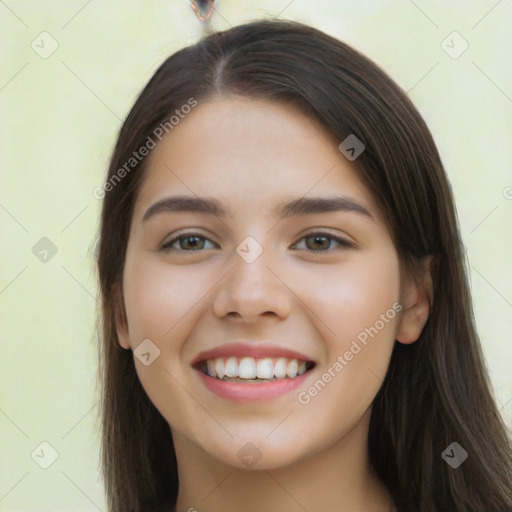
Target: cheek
(351, 296)
(160, 306)
(158, 299)
(357, 305)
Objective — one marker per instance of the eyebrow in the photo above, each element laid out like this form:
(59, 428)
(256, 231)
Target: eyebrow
(300, 206)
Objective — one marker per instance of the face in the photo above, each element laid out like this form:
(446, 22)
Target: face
(302, 301)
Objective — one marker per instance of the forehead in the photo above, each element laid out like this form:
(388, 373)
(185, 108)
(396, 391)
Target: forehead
(249, 152)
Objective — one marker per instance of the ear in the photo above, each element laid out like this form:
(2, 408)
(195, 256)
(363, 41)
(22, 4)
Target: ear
(120, 320)
(416, 299)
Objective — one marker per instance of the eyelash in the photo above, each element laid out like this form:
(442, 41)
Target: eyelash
(167, 246)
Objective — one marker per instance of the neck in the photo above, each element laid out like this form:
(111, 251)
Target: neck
(338, 478)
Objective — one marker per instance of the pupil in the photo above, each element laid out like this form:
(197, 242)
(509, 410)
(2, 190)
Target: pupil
(194, 243)
(320, 239)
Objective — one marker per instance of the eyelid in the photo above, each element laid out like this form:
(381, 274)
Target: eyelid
(167, 244)
(344, 242)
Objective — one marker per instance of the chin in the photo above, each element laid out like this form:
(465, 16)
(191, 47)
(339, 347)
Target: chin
(252, 457)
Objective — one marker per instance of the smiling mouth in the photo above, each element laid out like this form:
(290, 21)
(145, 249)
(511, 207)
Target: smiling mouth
(251, 369)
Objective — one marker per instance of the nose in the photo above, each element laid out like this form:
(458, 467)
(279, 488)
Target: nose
(253, 290)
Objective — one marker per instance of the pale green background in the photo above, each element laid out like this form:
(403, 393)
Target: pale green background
(59, 119)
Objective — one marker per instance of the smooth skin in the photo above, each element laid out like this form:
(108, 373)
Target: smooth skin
(252, 155)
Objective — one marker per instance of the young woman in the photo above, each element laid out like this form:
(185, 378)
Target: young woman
(286, 318)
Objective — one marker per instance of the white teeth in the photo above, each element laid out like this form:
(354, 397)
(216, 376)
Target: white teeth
(249, 368)
(291, 369)
(210, 368)
(265, 369)
(280, 368)
(231, 368)
(219, 368)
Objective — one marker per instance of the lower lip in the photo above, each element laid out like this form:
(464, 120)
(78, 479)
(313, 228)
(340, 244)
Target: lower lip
(252, 391)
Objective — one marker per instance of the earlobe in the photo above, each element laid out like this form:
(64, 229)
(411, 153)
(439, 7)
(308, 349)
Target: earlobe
(123, 338)
(120, 319)
(417, 296)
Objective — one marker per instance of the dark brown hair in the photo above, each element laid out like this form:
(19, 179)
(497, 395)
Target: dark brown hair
(437, 390)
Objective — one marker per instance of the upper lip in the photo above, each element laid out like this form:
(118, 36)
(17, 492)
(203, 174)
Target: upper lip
(258, 350)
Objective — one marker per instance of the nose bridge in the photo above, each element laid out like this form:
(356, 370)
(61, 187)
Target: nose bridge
(251, 288)
(250, 273)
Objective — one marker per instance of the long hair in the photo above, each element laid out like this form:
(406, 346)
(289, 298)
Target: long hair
(437, 390)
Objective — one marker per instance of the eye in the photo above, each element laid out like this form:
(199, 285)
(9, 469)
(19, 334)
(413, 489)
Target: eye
(187, 242)
(191, 242)
(321, 242)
